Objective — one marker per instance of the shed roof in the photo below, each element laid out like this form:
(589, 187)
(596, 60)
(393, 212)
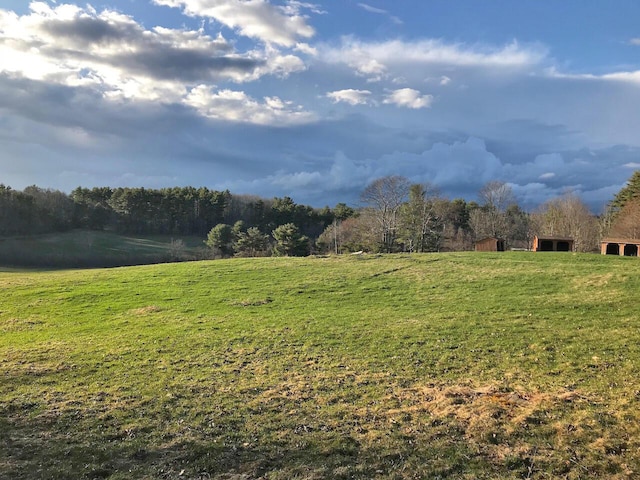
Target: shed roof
(620, 240)
(566, 239)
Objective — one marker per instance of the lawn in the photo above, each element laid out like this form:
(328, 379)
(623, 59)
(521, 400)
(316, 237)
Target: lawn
(458, 365)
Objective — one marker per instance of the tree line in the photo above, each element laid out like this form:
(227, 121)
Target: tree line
(399, 216)
(395, 215)
(171, 211)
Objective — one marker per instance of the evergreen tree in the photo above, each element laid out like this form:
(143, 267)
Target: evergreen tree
(251, 243)
(290, 242)
(629, 192)
(220, 239)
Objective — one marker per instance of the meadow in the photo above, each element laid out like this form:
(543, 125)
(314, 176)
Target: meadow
(456, 365)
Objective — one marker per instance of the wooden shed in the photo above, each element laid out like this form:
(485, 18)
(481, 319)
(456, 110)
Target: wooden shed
(552, 244)
(490, 244)
(627, 247)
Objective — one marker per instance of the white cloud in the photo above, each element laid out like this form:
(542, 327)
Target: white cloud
(350, 96)
(380, 11)
(112, 54)
(238, 107)
(633, 165)
(635, 41)
(306, 49)
(409, 98)
(274, 63)
(371, 9)
(547, 176)
(632, 77)
(444, 80)
(375, 59)
(253, 18)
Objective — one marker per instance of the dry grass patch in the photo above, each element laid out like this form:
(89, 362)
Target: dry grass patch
(252, 302)
(145, 310)
(593, 280)
(19, 324)
(561, 432)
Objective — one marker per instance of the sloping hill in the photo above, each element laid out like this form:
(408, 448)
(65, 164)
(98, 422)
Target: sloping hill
(89, 248)
(514, 365)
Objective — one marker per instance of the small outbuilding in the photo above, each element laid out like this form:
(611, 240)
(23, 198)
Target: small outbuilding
(490, 244)
(627, 247)
(552, 244)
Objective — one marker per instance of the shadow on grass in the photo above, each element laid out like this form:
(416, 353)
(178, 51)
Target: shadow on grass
(49, 447)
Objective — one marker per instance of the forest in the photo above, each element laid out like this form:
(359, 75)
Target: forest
(394, 215)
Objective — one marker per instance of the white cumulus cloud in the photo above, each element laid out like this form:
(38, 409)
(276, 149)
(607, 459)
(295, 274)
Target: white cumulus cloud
(409, 98)
(350, 96)
(257, 19)
(237, 106)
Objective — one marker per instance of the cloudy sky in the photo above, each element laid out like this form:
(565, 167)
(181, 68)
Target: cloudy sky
(315, 100)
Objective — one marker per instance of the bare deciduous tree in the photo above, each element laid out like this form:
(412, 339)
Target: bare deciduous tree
(568, 216)
(490, 220)
(627, 221)
(497, 195)
(422, 224)
(385, 196)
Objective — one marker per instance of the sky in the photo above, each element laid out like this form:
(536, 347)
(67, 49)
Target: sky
(315, 100)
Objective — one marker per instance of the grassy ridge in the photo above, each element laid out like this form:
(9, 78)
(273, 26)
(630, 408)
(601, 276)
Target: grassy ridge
(514, 365)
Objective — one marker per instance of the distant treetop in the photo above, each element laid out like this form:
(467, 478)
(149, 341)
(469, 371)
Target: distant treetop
(629, 192)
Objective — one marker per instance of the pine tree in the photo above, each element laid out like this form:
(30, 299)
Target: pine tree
(289, 241)
(629, 192)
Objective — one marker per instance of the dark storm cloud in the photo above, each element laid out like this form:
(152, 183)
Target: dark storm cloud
(90, 30)
(161, 54)
(74, 107)
(185, 65)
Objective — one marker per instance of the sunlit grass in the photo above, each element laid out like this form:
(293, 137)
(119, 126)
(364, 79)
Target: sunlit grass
(515, 365)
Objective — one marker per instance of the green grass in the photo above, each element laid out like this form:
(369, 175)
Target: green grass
(88, 248)
(514, 365)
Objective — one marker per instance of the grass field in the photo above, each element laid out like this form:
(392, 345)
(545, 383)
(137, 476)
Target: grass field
(88, 248)
(515, 365)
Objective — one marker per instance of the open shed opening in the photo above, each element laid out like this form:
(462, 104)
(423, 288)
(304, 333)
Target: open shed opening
(613, 249)
(552, 244)
(630, 250)
(546, 246)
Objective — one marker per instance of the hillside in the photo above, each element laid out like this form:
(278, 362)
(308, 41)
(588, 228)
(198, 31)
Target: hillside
(89, 248)
(466, 365)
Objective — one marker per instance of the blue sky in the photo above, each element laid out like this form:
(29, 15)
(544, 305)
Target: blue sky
(316, 99)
